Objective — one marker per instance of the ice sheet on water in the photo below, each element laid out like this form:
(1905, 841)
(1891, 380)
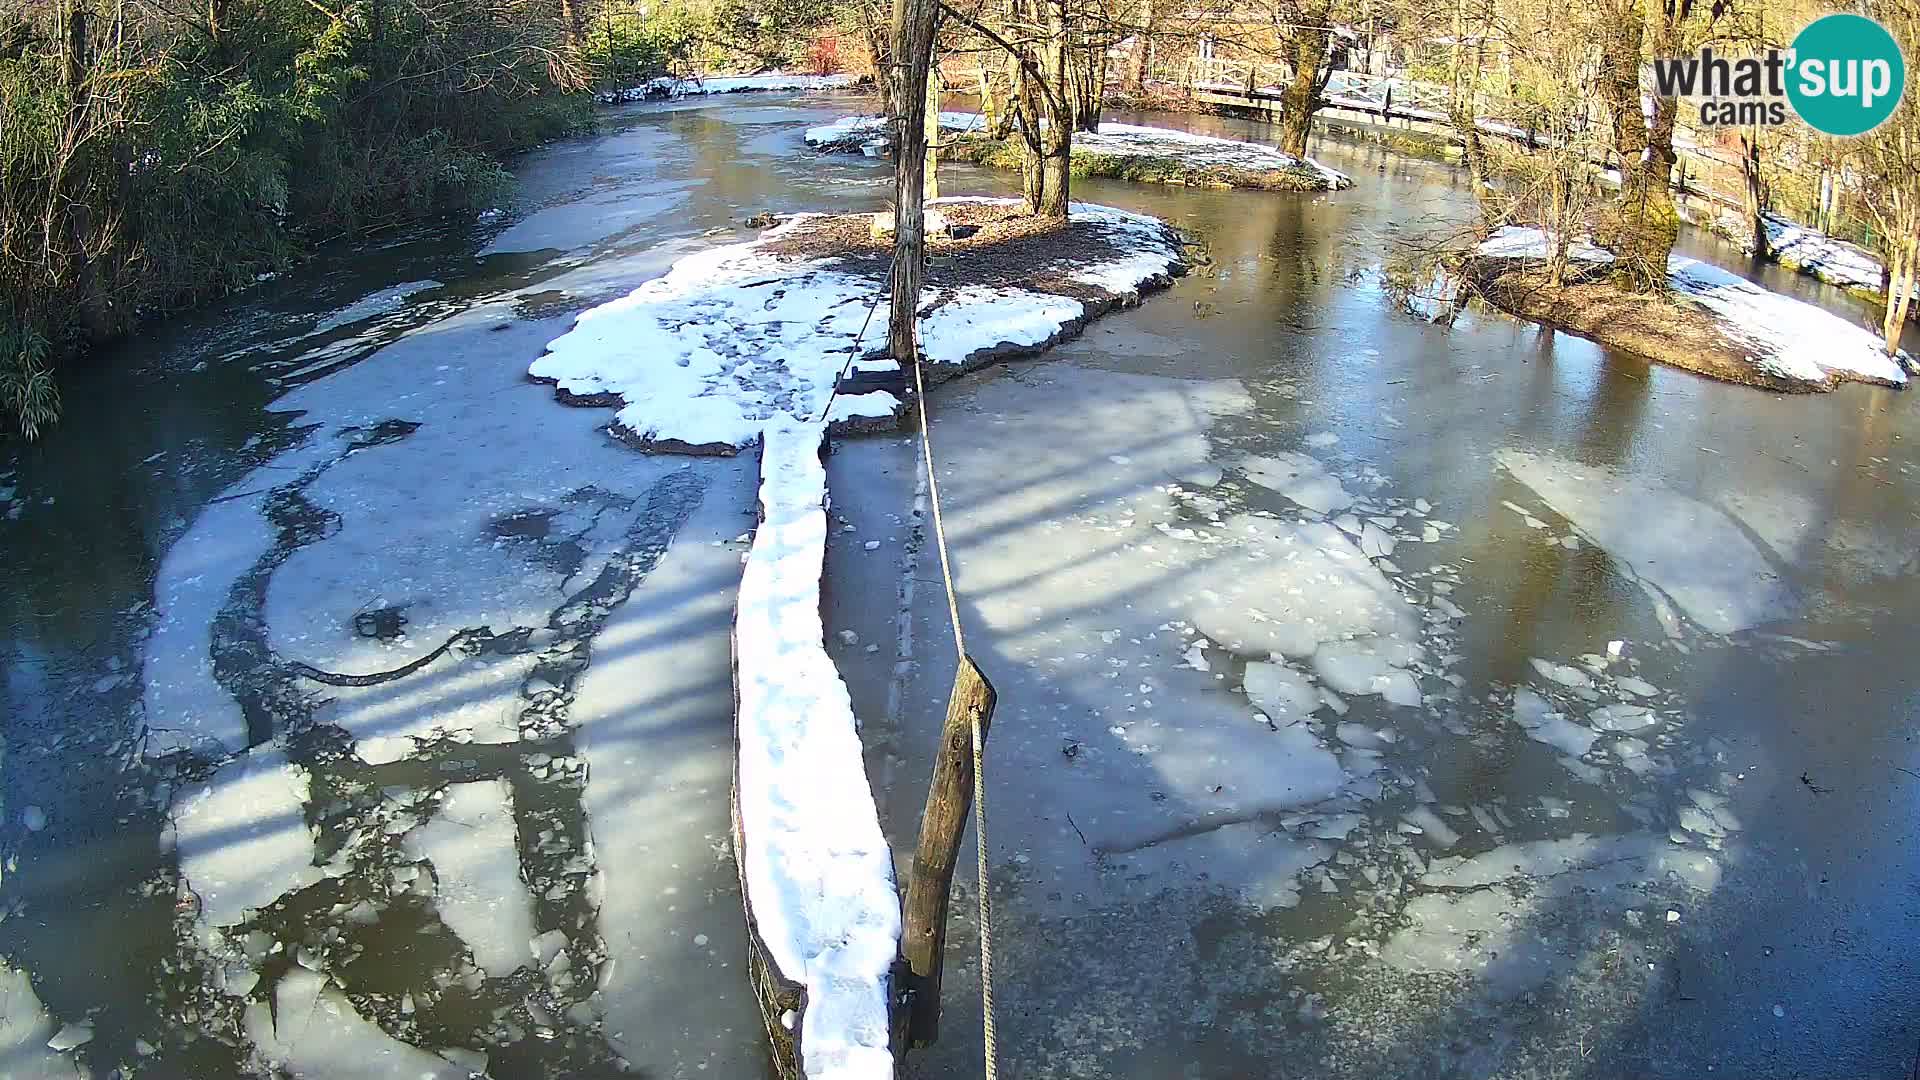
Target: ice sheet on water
(242, 835)
(1502, 915)
(1299, 477)
(1676, 548)
(389, 299)
(654, 718)
(25, 1028)
(1287, 587)
(185, 706)
(312, 1032)
(471, 843)
(466, 698)
(1261, 862)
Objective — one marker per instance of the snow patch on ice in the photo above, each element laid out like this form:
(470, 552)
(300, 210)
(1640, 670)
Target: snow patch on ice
(1525, 242)
(1793, 339)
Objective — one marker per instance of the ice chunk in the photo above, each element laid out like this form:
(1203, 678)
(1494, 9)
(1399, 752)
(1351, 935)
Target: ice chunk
(1622, 717)
(1673, 546)
(27, 1033)
(1282, 693)
(1300, 478)
(1532, 712)
(242, 835)
(1561, 673)
(1370, 666)
(1286, 588)
(313, 1032)
(471, 843)
(1430, 824)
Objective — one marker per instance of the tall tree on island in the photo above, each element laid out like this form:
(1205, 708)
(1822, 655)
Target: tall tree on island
(1036, 35)
(914, 22)
(1305, 32)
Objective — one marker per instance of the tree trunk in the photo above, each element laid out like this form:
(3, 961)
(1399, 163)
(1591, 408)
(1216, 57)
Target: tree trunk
(1305, 50)
(1463, 109)
(932, 185)
(1755, 196)
(1056, 136)
(570, 21)
(1142, 50)
(913, 27)
(1903, 260)
(1646, 224)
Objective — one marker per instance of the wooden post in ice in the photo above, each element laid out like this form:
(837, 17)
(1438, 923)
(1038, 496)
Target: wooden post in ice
(913, 24)
(923, 938)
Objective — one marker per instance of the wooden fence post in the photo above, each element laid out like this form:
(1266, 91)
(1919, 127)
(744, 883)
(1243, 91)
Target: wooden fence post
(923, 935)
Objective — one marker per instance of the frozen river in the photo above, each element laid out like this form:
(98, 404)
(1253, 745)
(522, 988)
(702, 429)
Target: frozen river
(1376, 699)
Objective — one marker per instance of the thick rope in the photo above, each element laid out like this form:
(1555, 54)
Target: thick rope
(989, 1043)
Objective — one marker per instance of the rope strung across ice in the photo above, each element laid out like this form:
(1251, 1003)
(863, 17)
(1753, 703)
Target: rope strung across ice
(743, 346)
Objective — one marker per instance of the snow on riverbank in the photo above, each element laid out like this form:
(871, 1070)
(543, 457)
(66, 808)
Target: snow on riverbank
(1113, 140)
(733, 339)
(817, 869)
(668, 86)
(1795, 246)
(1791, 340)
(1795, 340)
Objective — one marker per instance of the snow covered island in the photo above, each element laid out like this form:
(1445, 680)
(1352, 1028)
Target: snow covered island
(1716, 323)
(743, 346)
(703, 359)
(1120, 151)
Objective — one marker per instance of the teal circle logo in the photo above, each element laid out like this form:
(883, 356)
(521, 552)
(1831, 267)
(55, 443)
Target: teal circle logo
(1845, 75)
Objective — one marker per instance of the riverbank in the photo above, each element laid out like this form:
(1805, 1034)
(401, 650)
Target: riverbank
(1711, 322)
(672, 87)
(1116, 151)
